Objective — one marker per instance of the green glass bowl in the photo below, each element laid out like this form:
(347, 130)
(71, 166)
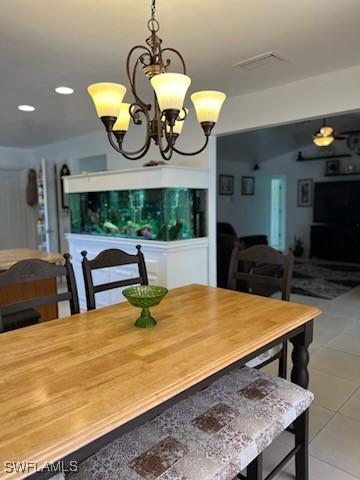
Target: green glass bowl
(144, 297)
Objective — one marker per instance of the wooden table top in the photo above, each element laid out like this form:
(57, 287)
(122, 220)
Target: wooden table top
(66, 382)
(8, 258)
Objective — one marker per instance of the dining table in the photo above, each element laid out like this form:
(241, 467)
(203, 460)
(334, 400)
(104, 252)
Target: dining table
(70, 386)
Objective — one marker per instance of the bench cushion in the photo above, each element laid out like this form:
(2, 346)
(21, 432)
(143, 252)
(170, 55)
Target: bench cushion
(264, 357)
(211, 435)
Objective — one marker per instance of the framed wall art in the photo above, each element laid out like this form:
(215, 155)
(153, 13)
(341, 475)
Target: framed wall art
(247, 185)
(226, 184)
(305, 192)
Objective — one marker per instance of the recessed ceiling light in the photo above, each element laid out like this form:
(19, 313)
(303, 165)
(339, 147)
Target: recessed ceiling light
(64, 90)
(26, 108)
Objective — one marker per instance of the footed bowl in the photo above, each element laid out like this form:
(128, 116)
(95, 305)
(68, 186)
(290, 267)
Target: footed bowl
(145, 297)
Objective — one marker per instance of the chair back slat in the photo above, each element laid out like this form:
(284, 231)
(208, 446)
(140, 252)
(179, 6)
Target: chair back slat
(260, 256)
(111, 258)
(260, 279)
(34, 270)
(34, 302)
(120, 283)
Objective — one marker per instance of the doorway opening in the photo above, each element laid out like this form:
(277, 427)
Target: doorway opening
(278, 212)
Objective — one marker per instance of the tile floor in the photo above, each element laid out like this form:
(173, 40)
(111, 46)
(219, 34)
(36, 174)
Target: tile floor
(335, 381)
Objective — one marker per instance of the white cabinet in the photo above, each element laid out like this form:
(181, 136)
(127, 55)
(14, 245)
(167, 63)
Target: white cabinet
(171, 264)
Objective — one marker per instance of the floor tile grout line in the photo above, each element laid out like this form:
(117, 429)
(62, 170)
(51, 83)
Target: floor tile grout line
(337, 376)
(349, 398)
(342, 351)
(324, 408)
(329, 348)
(322, 428)
(333, 375)
(348, 416)
(335, 466)
(342, 378)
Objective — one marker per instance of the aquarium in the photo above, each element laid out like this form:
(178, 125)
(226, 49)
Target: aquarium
(164, 214)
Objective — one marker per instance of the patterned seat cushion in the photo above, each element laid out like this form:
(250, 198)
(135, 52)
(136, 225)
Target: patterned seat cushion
(211, 435)
(264, 357)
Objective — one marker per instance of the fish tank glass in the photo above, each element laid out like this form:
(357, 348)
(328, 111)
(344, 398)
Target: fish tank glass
(164, 214)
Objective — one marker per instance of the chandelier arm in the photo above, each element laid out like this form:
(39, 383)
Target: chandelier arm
(173, 50)
(131, 77)
(169, 146)
(189, 154)
(169, 150)
(128, 155)
(135, 110)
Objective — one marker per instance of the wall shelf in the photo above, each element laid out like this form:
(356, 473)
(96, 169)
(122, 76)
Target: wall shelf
(301, 158)
(342, 174)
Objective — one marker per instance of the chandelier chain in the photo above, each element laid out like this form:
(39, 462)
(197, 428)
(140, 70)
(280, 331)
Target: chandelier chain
(153, 24)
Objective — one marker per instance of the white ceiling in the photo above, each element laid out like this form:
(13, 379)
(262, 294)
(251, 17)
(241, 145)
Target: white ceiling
(264, 144)
(46, 43)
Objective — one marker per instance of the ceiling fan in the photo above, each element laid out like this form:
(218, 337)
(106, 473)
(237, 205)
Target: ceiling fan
(325, 136)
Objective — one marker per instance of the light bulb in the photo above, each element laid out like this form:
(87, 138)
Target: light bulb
(123, 119)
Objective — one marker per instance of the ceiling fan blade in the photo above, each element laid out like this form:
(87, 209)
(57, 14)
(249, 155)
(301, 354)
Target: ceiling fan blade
(349, 132)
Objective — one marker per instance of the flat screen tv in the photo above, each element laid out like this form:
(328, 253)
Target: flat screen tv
(337, 202)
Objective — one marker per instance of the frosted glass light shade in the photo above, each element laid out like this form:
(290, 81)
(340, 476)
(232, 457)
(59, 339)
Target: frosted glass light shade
(208, 104)
(123, 119)
(170, 89)
(322, 141)
(178, 123)
(107, 98)
(326, 131)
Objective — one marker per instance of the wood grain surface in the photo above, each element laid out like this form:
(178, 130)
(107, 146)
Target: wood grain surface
(8, 258)
(66, 382)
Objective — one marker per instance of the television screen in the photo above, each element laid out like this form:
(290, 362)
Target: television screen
(337, 202)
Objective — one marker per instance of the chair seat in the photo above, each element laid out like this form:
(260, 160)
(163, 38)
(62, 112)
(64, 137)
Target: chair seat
(21, 319)
(264, 357)
(211, 435)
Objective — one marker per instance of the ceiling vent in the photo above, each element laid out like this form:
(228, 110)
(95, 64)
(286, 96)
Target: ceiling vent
(260, 61)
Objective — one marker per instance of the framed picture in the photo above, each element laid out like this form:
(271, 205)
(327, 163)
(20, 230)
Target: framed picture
(332, 167)
(247, 185)
(305, 192)
(226, 185)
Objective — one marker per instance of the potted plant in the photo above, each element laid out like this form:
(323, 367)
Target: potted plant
(298, 249)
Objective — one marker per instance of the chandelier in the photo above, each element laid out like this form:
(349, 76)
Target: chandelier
(164, 119)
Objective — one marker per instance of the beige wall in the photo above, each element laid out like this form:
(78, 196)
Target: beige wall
(334, 92)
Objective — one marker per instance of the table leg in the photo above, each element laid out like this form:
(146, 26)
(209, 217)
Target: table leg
(300, 355)
(300, 376)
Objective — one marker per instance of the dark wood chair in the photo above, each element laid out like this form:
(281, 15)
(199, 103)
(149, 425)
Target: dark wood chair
(262, 266)
(111, 258)
(23, 313)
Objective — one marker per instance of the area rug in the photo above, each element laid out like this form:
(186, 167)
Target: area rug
(324, 281)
